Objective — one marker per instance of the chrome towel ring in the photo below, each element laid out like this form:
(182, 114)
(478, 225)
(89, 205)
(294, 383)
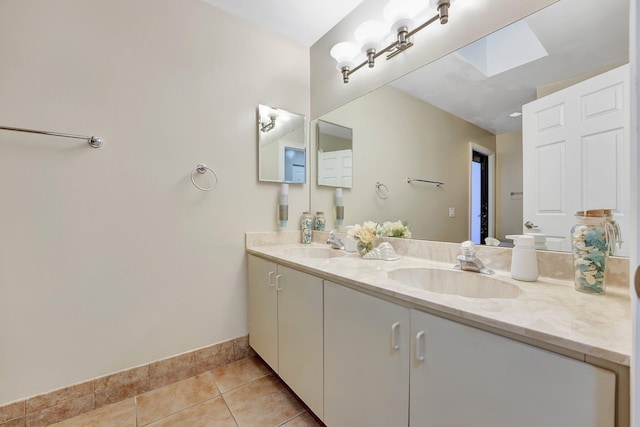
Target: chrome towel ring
(202, 169)
(382, 190)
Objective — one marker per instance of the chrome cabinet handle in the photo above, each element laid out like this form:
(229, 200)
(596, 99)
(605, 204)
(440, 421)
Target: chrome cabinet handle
(271, 283)
(278, 288)
(395, 332)
(419, 348)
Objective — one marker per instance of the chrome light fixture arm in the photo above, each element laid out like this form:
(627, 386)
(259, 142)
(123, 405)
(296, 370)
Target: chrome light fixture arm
(403, 41)
(266, 127)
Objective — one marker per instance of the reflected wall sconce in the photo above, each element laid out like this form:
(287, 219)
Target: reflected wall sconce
(371, 35)
(266, 127)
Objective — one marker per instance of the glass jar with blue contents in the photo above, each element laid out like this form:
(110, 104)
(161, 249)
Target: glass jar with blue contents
(307, 223)
(591, 247)
(320, 221)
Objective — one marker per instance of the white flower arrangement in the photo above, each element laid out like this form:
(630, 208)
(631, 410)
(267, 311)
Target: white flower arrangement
(386, 229)
(394, 229)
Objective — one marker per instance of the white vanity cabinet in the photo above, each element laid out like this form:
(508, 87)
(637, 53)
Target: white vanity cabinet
(357, 359)
(463, 376)
(366, 359)
(285, 326)
(263, 310)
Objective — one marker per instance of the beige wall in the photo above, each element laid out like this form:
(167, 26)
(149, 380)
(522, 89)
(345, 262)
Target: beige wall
(334, 143)
(396, 136)
(508, 179)
(110, 257)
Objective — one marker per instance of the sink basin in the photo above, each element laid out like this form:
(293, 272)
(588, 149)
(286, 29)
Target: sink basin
(314, 252)
(455, 282)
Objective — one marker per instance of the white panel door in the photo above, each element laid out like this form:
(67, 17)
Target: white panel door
(463, 376)
(575, 148)
(546, 199)
(263, 309)
(366, 379)
(335, 168)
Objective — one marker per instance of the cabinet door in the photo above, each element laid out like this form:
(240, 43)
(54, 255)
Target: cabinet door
(300, 335)
(263, 310)
(366, 352)
(471, 377)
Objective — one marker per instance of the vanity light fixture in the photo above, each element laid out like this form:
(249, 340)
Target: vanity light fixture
(266, 127)
(370, 35)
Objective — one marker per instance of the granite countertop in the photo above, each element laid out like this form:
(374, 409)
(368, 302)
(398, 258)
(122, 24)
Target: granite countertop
(549, 311)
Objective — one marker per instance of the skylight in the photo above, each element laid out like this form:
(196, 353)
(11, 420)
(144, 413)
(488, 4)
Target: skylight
(504, 50)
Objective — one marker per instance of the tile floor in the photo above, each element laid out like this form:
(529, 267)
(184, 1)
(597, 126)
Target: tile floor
(242, 394)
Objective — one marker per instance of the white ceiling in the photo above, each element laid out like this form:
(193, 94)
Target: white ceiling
(302, 21)
(579, 35)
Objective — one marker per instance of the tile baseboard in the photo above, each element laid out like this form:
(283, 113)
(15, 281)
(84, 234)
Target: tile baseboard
(67, 402)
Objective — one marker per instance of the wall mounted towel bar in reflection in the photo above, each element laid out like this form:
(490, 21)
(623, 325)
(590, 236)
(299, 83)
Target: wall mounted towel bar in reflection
(437, 183)
(93, 141)
(515, 193)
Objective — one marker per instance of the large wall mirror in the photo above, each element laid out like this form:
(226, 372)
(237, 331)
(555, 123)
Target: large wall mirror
(282, 137)
(335, 154)
(427, 124)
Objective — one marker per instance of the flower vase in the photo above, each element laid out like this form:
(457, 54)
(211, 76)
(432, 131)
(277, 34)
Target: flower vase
(364, 248)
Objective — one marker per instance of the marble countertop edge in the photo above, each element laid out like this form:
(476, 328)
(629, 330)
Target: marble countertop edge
(549, 310)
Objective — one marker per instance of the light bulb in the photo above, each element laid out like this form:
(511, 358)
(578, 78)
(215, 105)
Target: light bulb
(345, 54)
(370, 35)
(401, 12)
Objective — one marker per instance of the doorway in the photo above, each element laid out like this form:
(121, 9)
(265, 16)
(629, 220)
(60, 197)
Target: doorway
(481, 216)
(294, 165)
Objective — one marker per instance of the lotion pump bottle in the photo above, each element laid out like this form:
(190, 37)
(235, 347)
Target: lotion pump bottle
(524, 261)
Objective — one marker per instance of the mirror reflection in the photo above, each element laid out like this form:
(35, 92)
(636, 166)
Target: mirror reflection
(335, 155)
(428, 124)
(281, 146)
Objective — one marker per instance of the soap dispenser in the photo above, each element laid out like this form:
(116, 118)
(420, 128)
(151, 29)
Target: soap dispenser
(524, 261)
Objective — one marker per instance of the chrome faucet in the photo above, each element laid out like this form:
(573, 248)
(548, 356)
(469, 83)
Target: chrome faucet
(469, 261)
(334, 241)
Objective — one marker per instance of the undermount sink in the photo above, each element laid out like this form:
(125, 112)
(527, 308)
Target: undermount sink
(314, 252)
(455, 282)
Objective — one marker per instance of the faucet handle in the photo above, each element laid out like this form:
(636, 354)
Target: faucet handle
(468, 248)
(335, 241)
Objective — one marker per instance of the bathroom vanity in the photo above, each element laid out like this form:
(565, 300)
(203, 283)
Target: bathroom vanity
(362, 342)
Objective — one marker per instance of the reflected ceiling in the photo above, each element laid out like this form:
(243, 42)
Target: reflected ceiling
(563, 29)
